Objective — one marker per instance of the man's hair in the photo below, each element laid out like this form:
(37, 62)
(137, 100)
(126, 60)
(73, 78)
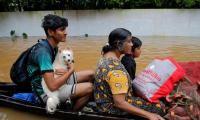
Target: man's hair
(53, 22)
(136, 43)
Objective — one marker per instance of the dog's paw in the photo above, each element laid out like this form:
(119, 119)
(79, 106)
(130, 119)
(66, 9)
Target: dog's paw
(51, 105)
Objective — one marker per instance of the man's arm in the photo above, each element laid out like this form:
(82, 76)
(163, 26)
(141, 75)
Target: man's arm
(43, 59)
(55, 83)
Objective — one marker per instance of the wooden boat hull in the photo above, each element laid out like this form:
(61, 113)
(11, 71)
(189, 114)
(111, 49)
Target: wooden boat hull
(8, 89)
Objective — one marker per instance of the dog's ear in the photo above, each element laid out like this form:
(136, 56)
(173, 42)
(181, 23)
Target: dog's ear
(69, 49)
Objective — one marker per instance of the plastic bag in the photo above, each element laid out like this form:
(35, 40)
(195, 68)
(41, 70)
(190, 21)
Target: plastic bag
(157, 79)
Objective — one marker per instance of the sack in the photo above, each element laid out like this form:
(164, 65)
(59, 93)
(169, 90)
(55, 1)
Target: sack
(19, 73)
(157, 79)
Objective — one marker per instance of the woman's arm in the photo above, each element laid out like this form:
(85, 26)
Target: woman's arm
(119, 101)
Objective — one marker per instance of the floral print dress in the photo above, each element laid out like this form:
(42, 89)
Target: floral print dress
(112, 78)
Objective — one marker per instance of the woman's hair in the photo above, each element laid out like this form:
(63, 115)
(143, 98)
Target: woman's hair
(136, 43)
(53, 22)
(116, 40)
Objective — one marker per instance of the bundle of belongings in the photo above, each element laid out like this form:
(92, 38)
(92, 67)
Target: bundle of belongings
(165, 78)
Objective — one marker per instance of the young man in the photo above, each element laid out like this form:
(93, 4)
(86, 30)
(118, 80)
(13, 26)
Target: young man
(40, 61)
(128, 60)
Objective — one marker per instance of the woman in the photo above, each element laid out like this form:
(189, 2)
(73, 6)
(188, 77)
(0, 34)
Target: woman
(112, 87)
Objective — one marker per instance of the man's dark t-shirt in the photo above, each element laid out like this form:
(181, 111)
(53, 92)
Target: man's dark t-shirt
(130, 65)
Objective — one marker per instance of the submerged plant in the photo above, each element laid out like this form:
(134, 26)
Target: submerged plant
(12, 33)
(86, 35)
(24, 35)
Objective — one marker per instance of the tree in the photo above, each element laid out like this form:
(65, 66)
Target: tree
(34, 5)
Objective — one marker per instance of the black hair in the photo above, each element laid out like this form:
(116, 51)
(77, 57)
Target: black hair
(116, 39)
(136, 43)
(53, 22)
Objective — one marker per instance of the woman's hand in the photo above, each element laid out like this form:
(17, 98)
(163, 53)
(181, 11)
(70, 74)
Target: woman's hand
(153, 116)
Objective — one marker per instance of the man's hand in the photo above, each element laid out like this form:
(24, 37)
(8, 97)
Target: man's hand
(60, 71)
(70, 68)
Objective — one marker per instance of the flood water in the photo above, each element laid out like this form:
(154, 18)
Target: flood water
(87, 52)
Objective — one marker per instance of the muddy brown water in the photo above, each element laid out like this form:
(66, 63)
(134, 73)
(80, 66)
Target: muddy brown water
(87, 51)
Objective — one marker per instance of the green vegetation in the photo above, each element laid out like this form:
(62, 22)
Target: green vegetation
(12, 33)
(35, 5)
(24, 35)
(86, 35)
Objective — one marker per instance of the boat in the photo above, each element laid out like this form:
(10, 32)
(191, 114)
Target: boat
(8, 89)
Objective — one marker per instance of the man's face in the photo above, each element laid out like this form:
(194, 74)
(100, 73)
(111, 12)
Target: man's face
(60, 34)
(136, 53)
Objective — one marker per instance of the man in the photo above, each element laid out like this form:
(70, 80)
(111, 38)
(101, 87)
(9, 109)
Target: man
(40, 60)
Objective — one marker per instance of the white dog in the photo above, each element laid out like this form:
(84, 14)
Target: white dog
(62, 57)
